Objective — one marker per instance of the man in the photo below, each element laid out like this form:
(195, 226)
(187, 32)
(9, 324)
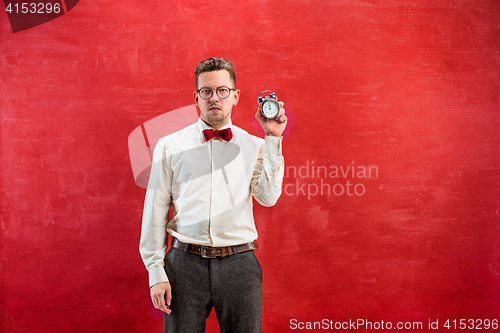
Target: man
(209, 172)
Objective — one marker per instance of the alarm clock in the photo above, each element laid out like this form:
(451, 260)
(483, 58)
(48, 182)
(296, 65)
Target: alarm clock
(269, 106)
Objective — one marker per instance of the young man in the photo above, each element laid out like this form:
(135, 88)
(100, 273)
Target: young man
(209, 172)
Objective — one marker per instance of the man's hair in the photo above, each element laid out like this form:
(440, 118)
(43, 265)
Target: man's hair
(215, 64)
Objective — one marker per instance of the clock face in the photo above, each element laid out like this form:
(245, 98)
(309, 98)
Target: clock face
(270, 109)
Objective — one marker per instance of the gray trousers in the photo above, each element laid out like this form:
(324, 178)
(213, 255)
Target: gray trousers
(232, 285)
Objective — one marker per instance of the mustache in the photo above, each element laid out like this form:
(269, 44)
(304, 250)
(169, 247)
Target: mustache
(215, 105)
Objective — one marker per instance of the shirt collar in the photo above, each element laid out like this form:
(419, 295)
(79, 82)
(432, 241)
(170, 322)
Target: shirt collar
(203, 126)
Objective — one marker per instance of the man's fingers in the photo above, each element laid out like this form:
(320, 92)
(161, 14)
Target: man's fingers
(161, 295)
(259, 115)
(168, 296)
(163, 307)
(281, 116)
(158, 297)
(168, 299)
(282, 119)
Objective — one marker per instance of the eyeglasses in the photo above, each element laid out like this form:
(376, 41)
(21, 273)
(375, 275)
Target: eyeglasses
(222, 92)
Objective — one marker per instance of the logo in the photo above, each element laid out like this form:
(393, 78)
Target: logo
(192, 165)
(25, 15)
(143, 139)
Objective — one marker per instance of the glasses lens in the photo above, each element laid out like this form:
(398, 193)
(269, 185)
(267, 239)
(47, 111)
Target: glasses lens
(205, 93)
(223, 92)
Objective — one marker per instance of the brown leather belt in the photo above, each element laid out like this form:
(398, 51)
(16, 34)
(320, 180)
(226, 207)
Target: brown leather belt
(213, 252)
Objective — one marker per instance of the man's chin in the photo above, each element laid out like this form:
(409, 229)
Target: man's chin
(217, 118)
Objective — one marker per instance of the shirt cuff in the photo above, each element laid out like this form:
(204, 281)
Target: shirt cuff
(157, 275)
(272, 145)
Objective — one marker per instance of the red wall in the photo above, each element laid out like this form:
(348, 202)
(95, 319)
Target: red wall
(408, 88)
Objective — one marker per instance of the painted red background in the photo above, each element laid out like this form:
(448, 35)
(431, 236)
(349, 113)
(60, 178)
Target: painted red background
(411, 87)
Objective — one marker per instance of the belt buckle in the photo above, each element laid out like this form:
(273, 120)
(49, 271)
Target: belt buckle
(204, 252)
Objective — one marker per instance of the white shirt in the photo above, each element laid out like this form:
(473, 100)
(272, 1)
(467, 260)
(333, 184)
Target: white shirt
(210, 186)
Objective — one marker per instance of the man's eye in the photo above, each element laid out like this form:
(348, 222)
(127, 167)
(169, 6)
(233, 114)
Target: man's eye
(223, 90)
(206, 91)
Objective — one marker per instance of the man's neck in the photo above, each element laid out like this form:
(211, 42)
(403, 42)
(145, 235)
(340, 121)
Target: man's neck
(215, 126)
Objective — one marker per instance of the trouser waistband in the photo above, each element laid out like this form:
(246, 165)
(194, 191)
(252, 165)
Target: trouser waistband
(213, 252)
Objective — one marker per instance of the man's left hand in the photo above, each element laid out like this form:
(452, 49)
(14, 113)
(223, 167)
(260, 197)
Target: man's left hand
(273, 126)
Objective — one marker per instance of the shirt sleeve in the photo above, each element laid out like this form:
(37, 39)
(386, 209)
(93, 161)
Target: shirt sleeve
(157, 203)
(267, 178)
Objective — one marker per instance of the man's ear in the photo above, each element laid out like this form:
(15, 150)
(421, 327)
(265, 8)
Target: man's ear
(195, 96)
(236, 96)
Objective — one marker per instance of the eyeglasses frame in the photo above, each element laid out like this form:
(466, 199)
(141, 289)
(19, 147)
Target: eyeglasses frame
(216, 91)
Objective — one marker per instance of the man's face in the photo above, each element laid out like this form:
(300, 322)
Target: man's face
(216, 111)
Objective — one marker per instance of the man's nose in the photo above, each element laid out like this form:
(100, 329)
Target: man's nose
(214, 97)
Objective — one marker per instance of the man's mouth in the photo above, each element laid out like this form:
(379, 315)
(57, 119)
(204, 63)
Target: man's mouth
(214, 108)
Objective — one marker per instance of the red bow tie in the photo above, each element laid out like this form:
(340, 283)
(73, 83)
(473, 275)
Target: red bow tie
(224, 134)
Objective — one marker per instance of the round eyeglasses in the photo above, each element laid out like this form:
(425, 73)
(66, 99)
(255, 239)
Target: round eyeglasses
(222, 92)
